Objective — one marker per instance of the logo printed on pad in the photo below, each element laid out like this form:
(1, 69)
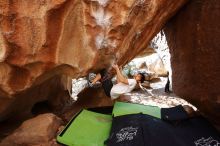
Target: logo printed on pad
(207, 142)
(127, 133)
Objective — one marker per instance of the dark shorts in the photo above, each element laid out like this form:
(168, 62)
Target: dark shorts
(106, 82)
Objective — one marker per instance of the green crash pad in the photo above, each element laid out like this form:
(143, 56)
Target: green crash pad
(87, 129)
(122, 108)
(92, 129)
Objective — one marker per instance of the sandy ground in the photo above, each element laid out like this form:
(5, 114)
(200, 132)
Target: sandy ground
(157, 97)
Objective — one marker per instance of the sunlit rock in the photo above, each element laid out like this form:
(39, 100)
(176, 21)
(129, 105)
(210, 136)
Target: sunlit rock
(46, 43)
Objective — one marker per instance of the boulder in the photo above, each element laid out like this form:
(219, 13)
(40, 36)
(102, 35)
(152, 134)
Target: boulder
(193, 37)
(151, 64)
(146, 52)
(40, 130)
(88, 98)
(155, 65)
(45, 42)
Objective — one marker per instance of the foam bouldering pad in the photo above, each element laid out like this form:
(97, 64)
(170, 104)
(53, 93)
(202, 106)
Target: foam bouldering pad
(86, 129)
(122, 108)
(93, 127)
(145, 130)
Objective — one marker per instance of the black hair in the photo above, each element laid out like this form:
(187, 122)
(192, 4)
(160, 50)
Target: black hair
(142, 77)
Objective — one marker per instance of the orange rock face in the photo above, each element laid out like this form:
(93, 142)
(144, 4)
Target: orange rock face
(193, 37)
(42, 42)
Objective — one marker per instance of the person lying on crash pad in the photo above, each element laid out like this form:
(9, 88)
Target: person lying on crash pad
(124, 85)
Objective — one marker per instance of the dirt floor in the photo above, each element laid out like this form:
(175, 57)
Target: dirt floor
(157, 97)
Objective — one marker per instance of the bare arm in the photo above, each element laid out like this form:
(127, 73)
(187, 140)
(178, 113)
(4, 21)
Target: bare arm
(120, 77)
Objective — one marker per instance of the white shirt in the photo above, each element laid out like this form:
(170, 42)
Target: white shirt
(122, 88)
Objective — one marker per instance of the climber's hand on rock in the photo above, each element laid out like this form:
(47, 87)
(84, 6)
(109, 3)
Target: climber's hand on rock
(115, 66)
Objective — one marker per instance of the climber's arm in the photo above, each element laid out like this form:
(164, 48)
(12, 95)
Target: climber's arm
(120, 77)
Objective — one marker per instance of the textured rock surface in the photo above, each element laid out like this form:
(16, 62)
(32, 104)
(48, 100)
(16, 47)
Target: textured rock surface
(152, 64)
(44, 41)
(40, 130)
(193, 37)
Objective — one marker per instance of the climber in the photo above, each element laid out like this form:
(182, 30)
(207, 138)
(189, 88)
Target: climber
(123, 85)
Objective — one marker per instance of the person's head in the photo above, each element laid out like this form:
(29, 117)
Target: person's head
(139, 77)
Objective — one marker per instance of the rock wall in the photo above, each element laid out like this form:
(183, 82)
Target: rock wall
(193, 37)
(42, 42)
